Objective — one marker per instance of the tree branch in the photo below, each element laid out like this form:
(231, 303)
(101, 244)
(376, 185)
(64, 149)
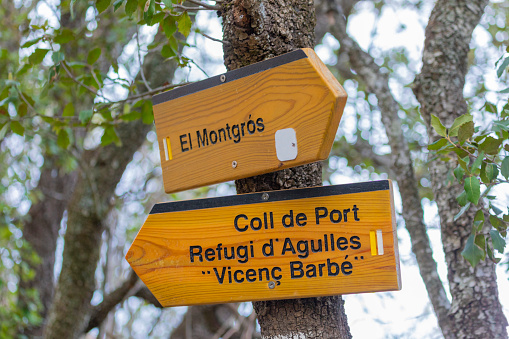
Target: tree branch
(378, 83)
(100, 312)
(439, 90)
(203, 4)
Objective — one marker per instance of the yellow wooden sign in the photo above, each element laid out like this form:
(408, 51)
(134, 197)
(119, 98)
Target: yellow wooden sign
(271, 115)
(275, 245)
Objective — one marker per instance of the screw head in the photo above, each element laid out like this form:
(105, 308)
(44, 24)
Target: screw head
(265, 196)
(234, 164)
(222, 78)
(272, 284)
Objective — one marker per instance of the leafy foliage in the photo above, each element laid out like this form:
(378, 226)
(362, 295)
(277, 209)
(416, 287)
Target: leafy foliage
(483, 162)
(56, 85)
(63, 71)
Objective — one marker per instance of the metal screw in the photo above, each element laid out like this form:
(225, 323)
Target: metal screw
(222, 78)
(265, 196)
(234, 164)
(272, 284)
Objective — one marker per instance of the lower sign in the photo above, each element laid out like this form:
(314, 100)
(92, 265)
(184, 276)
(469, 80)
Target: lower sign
(275, 245)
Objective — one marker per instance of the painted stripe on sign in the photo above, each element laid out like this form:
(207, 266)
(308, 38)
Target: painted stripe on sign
(380, 242)
(372, 240)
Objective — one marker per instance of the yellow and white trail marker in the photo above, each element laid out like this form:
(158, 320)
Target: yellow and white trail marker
(275, 114)
(273, 245)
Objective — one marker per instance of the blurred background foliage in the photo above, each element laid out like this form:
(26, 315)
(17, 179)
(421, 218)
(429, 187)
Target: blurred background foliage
(71, 74)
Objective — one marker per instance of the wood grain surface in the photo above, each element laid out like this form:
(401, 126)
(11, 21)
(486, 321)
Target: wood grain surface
(301, 94)
(176, 253)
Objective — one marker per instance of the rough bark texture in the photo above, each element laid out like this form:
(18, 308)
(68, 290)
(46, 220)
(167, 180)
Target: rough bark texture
(41, 231)
(475, 310)
(257, 30)
(87, 208)
(378, 83)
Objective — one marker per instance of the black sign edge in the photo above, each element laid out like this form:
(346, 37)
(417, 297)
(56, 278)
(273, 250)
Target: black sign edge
(282, 195)
(229, 76)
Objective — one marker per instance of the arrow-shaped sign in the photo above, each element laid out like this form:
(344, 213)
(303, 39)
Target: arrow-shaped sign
(264, 246)
(271, 115)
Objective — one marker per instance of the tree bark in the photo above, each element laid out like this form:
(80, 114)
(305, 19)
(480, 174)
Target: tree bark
(255, 31)
(475, 309)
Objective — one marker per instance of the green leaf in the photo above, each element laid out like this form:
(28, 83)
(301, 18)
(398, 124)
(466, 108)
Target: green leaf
(93, 55)
(157, 18)
(85, 116)
(31, 42)
(463, 162)
(504, 168)
(37, 56)
(492, 256)
(491, 172)
(462, 198)
(134, 115)
(459, 173)
(64, 36)
(102, 5)
(480, 241)
(477, 163)
(491, 145)
(23, 69)
(147, 116)
(17, 128)
(479, 215)
(504, 91)
(130, 7)
(22, 109)
(63, 139)
(168, 4)
(473, 188)
(458, 122)
(498, 241)
(68, 110)
(498, 223)
(109, 136)
(3, 130)
(57, 57)
(169, 26)
(438, 144)
(150, 8)
(173, 44)
(479, 220)
(501, 68)
(465, 131)
(462, 210)
(117, 4)
(495, 209)
(185, 23)
(472, 253)
(167, 52)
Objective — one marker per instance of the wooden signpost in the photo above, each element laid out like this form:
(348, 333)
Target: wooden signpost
(264, 117)
(274, 245)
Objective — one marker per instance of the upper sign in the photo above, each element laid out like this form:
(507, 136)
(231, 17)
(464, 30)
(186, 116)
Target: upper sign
(271, 115)
(275, 245)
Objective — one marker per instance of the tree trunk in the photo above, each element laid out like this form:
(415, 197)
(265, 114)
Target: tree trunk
(88, 207)
(475, 309)
(254, 31)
